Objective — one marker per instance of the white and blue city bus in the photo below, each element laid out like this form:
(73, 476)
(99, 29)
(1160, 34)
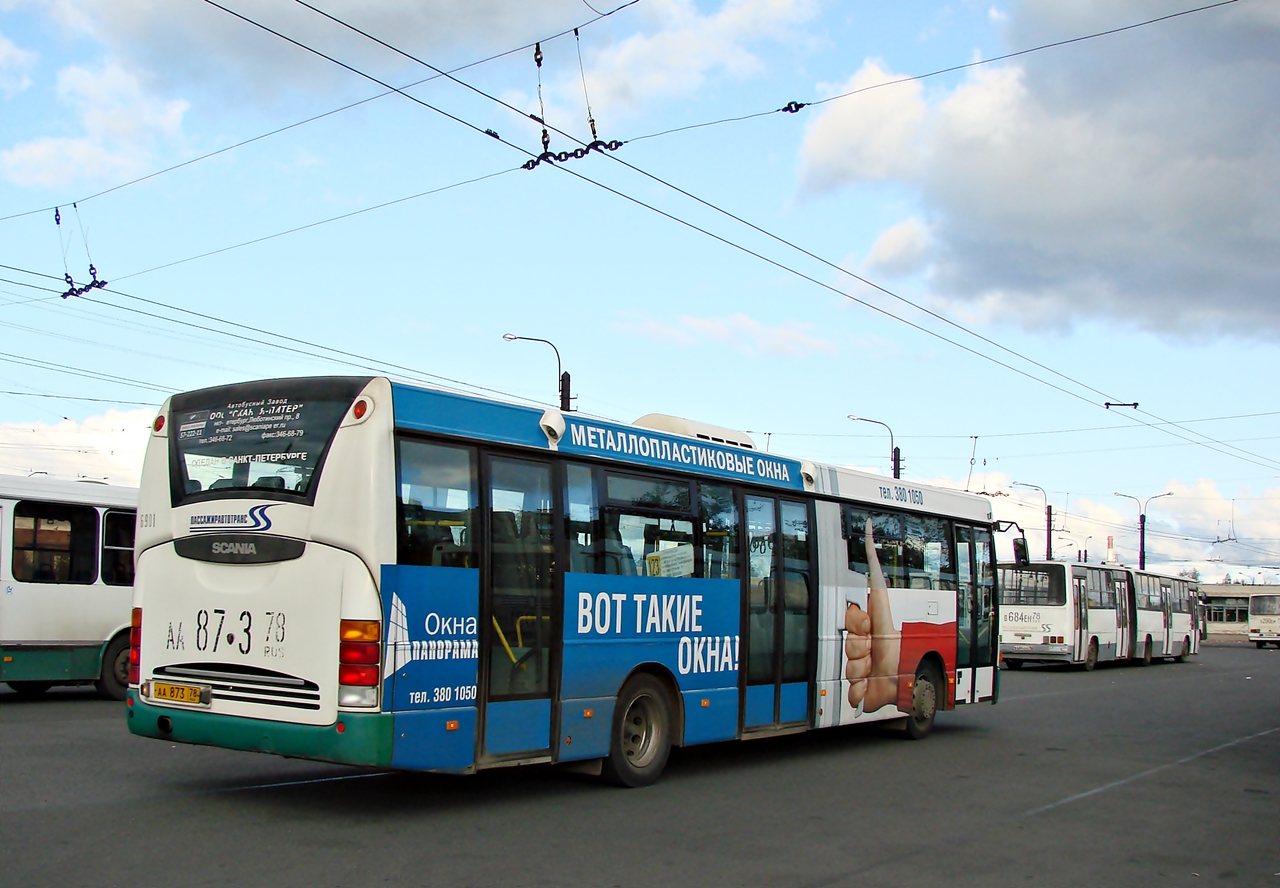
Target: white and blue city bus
(66, 577)
(385, 574)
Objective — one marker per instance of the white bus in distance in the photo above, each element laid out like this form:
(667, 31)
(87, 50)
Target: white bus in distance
(1083, 614)
(1264, 618)
(66, 582)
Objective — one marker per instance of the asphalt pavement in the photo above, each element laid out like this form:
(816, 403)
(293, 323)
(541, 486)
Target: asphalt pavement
(1168, 774)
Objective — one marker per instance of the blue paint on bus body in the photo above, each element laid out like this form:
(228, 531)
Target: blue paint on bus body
(517, 726)
(688, 626)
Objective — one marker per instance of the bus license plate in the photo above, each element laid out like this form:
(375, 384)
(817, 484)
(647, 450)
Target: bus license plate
(1022, 647)
(175, 693)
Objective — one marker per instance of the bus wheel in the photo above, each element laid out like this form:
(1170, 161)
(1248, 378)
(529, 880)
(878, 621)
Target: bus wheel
(1145, 659)
(114, 682)
(1013, 664)
(1260, 644)
(641, 734)
(30, 689)
(1186, 649)
(1091, 658)
(924, 703)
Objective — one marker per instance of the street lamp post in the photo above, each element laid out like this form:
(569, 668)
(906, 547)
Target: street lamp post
(1048, 519)
(560, 373)
(895, 455)
(1142, 524)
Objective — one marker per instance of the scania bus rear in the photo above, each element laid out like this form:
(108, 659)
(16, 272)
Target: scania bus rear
(263, 518)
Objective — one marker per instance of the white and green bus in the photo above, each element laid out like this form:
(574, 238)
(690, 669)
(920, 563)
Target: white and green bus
(66, 582)
(1264, 618)
(385, 574)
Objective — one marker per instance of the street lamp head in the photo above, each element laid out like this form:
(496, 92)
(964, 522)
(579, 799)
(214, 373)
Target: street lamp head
(510, 337)
(854, 418)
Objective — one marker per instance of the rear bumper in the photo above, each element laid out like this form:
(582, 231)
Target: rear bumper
(365, 738)
(1055, 653)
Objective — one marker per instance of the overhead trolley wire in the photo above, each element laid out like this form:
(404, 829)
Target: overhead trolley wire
(793, 107)
(321, 116)
(338, 218)
(351, 359)
(1207, 441)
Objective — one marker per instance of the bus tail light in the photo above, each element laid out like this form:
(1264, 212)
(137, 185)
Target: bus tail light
(359, 658)
(135, 645)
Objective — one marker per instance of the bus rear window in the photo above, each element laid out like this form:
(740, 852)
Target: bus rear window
(265, 439)
(1032, 587)
(1264, 605)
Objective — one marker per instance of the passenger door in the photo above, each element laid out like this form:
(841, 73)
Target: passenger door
(975, 615)
(1080, 596)
(520, 613)
(779, 594)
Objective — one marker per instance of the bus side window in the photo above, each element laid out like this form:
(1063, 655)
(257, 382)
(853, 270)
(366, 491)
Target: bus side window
(583, 518)
(117, 548)
(436, 504)
(719, 533)
(640, 541)
(55, 543)
(889, 533)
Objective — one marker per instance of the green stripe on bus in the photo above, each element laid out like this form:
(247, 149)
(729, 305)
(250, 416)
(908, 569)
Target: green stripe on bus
(366, 738)
(51, 664)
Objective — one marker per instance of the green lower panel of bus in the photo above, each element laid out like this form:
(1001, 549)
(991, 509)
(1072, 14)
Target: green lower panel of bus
(365, 738)
(53, 663)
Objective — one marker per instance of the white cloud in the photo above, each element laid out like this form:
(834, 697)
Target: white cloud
(872, 136)
(790, 339)
(1134, 177)
(108, 447)
(686, 47)
(121, 124)
(901, 250)
(14, 62)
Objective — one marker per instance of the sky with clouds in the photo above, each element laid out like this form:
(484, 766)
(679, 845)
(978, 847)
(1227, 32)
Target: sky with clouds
(979, 259)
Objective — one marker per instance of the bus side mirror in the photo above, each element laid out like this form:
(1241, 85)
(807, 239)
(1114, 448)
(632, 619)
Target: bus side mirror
(1020, 556)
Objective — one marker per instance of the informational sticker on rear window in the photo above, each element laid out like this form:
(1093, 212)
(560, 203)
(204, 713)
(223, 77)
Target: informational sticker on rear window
(264, 436)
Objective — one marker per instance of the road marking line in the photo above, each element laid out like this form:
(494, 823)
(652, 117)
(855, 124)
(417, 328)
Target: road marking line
(288, 783)
(1147, 773)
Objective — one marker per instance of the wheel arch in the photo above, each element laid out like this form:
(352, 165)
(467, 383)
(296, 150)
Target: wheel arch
(948, 689)
(668, 681)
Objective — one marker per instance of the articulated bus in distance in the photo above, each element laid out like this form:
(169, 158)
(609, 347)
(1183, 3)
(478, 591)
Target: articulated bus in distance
(66, 578)
(1264, 618)
(383, 574)
(1059, 612)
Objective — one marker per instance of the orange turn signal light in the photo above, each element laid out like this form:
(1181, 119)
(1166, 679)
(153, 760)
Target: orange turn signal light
(360, 630)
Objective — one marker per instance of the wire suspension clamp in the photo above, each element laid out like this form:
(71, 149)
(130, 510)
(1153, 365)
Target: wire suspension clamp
(73, 290)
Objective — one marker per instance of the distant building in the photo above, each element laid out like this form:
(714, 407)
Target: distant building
(1228, 607)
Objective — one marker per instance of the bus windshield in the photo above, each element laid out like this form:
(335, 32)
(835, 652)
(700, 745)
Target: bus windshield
(265, 438)
(1265, 605)
(1032, 587)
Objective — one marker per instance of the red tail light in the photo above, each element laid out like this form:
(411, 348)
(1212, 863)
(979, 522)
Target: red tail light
(362, 652)
(361, 676)
(135, 645)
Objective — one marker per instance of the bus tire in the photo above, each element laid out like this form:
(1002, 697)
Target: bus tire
(1260, 644)
(924, 703)
(30, 689)
(113, 684)
(1145, 659)
(1186, 649)
(1013, 664)
(642, 728)
(1091, 658)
